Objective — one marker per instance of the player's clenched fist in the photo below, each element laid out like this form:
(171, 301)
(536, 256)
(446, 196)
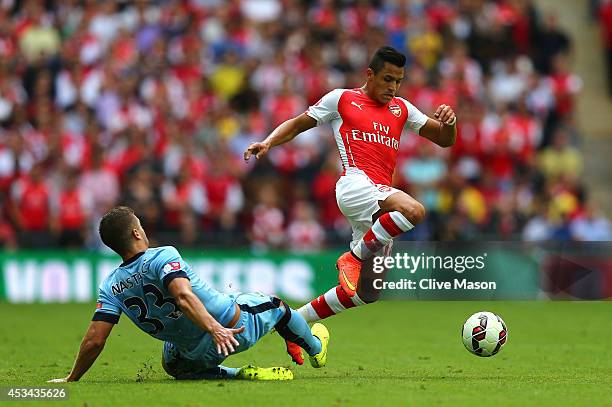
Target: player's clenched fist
(446, 115)
(258, 149)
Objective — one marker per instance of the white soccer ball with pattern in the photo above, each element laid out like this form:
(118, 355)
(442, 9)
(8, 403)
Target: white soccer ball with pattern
(484, 333)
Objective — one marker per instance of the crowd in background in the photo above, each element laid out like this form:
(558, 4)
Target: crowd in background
(152, 103)
(602, 10)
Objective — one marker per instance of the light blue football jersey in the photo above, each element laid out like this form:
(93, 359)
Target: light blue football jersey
(138, 288)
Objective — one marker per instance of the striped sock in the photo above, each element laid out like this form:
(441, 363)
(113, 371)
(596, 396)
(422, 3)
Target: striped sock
(331, 303)
(382, 232)
(357, 301)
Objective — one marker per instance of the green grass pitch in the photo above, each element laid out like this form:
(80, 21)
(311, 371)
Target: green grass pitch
(390, 353)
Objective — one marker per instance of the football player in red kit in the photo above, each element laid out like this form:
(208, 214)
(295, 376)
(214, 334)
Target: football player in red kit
(367, 123)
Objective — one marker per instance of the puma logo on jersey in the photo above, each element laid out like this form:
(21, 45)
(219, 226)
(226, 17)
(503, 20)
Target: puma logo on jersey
(359, 105)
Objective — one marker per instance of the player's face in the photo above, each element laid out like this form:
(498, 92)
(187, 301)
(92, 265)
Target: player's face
(140, 233)
(385, 84)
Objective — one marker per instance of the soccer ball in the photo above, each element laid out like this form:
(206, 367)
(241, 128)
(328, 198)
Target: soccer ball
(484, 333)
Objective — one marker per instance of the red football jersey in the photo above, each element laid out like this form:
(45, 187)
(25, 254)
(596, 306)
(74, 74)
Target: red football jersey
(367, 133)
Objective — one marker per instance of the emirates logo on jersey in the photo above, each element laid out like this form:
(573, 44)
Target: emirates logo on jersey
(396, 110)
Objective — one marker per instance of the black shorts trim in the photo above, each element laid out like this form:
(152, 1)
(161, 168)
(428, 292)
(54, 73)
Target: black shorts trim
(106, 317)
(263, 307)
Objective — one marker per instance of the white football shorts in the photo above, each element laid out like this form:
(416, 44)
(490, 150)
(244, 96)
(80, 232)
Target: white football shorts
(357, 197)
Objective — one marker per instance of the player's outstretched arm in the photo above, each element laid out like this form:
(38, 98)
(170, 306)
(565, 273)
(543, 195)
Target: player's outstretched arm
(90, 349)
(285, 132)
(190, 305)
(442, 130)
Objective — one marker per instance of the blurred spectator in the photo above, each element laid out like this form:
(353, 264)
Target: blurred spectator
(268, 227)
(425, 43)
(142, 190)
(38, 38)
(423, 172)
(565, 86)
(71, 208)
(32, 208)
(225, 196)
(425, 168)
(465, 70)
(605, 20)
(101, 183)
(551, 42)
(509, 79)
(12, 157)
(538, 228)
(304, 233)
(229, 76)
(560, 158)
(8, 240)
(184, 197)
(471, 202)
(285, 105)
(323, 188)
(591, 226)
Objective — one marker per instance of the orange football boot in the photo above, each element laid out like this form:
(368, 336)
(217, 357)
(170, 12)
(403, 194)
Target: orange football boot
(349, 269)
(295, 351)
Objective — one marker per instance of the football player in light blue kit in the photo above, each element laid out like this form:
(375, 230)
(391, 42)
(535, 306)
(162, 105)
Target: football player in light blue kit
(200, 327)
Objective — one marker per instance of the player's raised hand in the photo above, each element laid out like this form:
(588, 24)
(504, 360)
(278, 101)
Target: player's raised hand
(224, 339)
(258, 149)
(446, 115)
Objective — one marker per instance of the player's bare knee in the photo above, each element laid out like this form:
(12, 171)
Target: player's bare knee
(414, 212)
